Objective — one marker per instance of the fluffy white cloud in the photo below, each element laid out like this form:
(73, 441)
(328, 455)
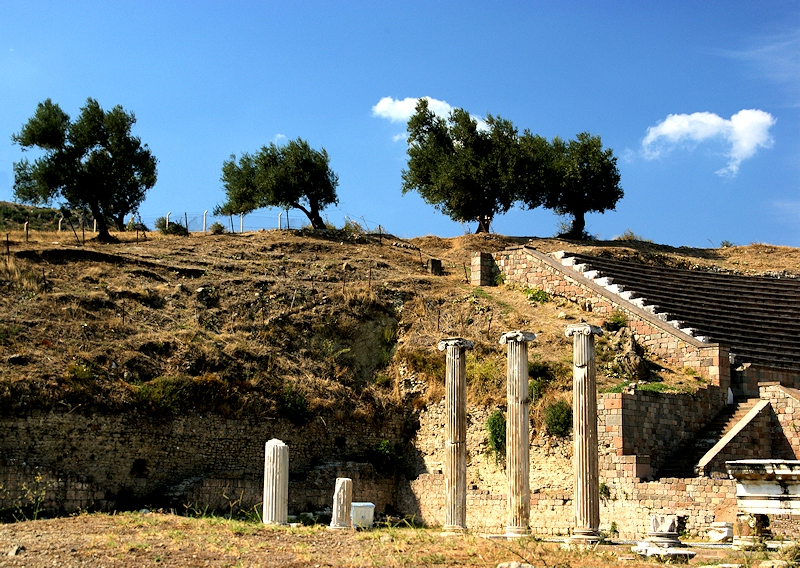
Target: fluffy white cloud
(279, 138)
(397, 110)
(744, 133)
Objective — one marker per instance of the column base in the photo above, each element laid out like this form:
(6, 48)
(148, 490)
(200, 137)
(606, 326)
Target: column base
(517, 532)
(582, 539)
(453, 530)
(339, 527)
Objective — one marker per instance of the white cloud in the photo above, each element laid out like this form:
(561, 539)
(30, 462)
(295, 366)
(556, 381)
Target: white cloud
(397, 110)
(278, 138)
(744, 133)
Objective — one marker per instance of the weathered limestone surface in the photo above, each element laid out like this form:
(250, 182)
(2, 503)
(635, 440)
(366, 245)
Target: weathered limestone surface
(584, 409)
(276, 483)
(455, 463)
(517, 438)
(342, 500)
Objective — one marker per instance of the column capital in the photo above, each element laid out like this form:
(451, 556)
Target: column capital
(518, 335)
(455, 342)
(583, 329)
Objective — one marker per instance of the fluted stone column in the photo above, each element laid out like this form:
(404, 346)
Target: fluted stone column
(276, 483)
(342, 501)
(584, 422)
(455, 434)
(517, 439)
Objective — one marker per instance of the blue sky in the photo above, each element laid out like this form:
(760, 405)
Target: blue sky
(700, 101)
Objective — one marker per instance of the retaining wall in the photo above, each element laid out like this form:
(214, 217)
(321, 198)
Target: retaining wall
(131, 460)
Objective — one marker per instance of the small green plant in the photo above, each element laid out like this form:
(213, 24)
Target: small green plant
(657, 387)
(558, 418)
(496, 426)
(536, 389)
(726, 244)
(499, 279)
(605, 493)
(613, 530)
(386, 458)
(689, 372)
(535, 295)
(616, 321)
(216, 228)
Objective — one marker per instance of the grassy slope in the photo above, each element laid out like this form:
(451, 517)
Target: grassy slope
(264, 322)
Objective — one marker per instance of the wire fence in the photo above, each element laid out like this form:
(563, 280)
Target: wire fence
(202, 221)
(194, 221)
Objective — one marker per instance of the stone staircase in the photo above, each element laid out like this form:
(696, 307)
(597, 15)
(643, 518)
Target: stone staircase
(684, 460)
(757, 317)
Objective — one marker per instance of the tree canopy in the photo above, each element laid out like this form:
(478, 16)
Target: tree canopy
(290, 176)
(473, 174)
(467, 172)
(589, 181)
(93, 163)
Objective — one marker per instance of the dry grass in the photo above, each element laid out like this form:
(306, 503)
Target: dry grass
(134, 539)
(337, 315)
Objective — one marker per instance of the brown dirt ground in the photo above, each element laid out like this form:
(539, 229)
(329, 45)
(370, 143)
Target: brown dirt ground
(136, 539)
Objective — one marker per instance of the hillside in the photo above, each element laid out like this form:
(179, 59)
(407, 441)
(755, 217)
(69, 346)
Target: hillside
(288, 322)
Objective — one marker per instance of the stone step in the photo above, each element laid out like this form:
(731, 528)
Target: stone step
(757, 317)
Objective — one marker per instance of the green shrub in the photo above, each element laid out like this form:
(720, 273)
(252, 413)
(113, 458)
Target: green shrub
(726, 244)
(496, 426)
(294, 405)
(616, 321)
(173, 228)
(216, 228)
(558, 418)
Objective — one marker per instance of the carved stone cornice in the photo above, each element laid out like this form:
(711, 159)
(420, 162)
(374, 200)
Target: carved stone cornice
(583, 329)
(455, 342)
(517, 335)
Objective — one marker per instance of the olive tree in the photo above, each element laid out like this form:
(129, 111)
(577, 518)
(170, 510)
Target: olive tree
(93, 163)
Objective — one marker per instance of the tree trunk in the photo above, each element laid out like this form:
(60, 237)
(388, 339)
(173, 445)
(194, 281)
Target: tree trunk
(484, 221)
(313, 216)
(119, 222)
(578, 225)
(102, 227)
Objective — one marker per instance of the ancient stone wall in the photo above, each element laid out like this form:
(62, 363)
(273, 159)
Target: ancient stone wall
(650, 426)
(701, 501)
(785, 404)
(131, 460)
(752, 377)
(628, 502)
